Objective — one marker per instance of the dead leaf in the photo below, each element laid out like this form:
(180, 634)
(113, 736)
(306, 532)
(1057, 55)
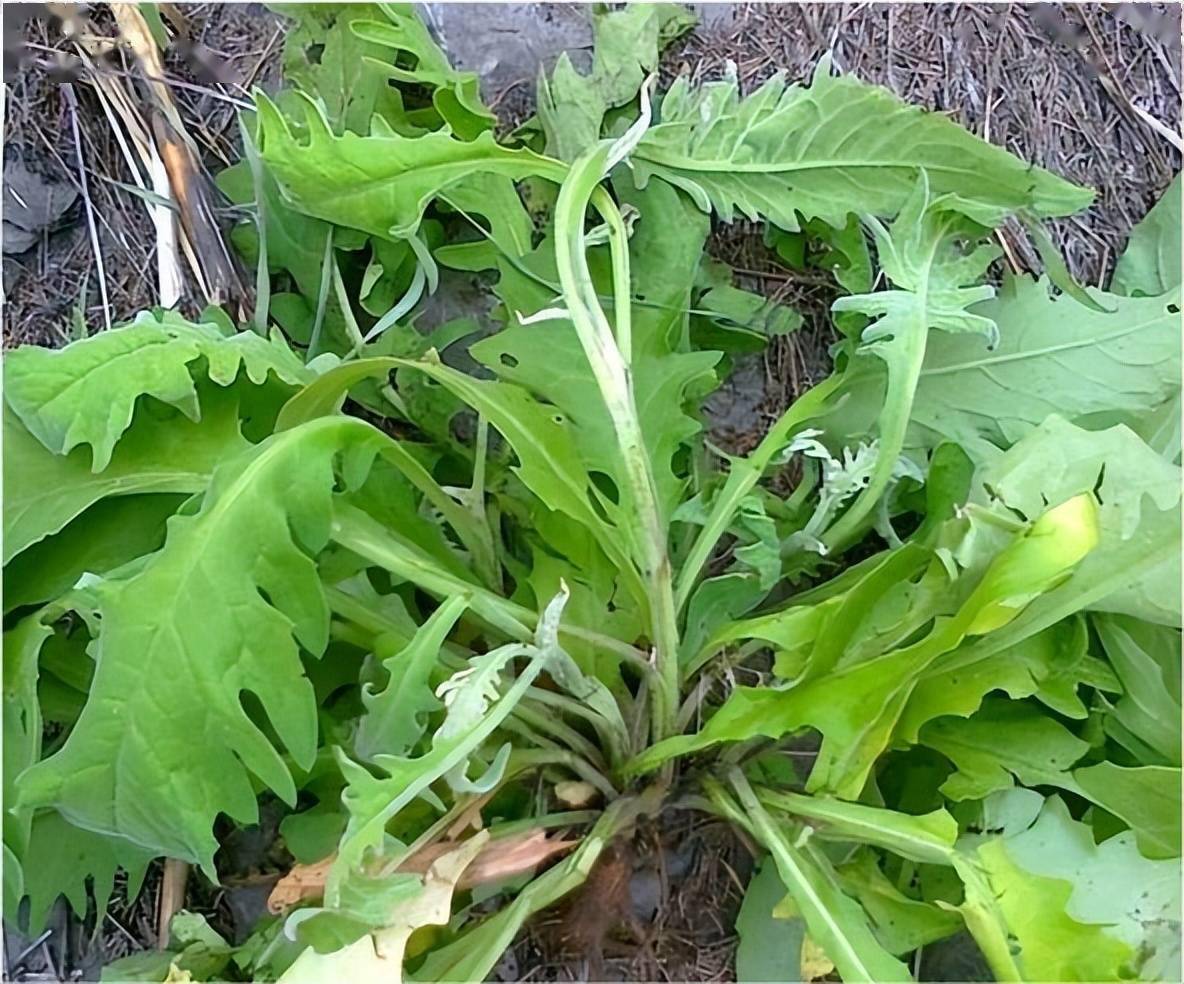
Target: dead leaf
(576, 794)
(499, 859)
(304, 881)
(470, 816)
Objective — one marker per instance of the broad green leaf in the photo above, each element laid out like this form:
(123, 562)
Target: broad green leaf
(219, 610)
(901, 924)
(1013, 738)
(62, 859)
(22, 743)
(1146, 659)
(857, 707)
(403, 38)
(393, 721)
(1147, 798)
(162, 451)
(379, 184)
(1150, 264)
(109, 534)
(86, 393)
(1053, 357)
(1003, 739)
(1047, 943)
(1134, 899)
(325, 58)
(833, 147)
(769, 947)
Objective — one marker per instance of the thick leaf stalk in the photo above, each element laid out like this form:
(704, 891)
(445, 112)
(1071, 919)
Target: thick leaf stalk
(613, 378)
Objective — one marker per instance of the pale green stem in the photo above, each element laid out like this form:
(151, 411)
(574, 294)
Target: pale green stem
(613, 378)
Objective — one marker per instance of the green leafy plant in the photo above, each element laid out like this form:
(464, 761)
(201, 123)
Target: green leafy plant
(414, 577)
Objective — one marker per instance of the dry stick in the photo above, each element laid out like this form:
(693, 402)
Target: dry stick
(171, 899)
(213, 266)
(72, 100)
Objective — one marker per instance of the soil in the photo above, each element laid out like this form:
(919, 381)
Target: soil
(1070, 87)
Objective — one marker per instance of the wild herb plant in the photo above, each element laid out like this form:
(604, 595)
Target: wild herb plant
(445, 586)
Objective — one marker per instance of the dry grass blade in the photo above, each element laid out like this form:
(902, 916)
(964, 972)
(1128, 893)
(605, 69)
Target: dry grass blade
(72, 102)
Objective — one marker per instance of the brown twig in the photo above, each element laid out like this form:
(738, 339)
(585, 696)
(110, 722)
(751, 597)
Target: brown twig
(171, 899)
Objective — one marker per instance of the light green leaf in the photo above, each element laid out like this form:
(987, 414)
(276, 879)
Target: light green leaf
(1046, 942)
(1147, 660)
(1136, 568)
(1013, 738)
(393, 721)
(86, 393)
(326, 59)
(109, 534)
(163, 451)
(61, 858)
(1150, 265)
(220, 609)
(1053, 357)
(22, 743)
(1147, 798)
(1049, 665)
(857, 706)
(379, 184)
(834, 147)
(1003, 739)
(934, 279)
(1135, 900)
(901, 924)
(404, 38)
(571, 106)
(926, 839)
